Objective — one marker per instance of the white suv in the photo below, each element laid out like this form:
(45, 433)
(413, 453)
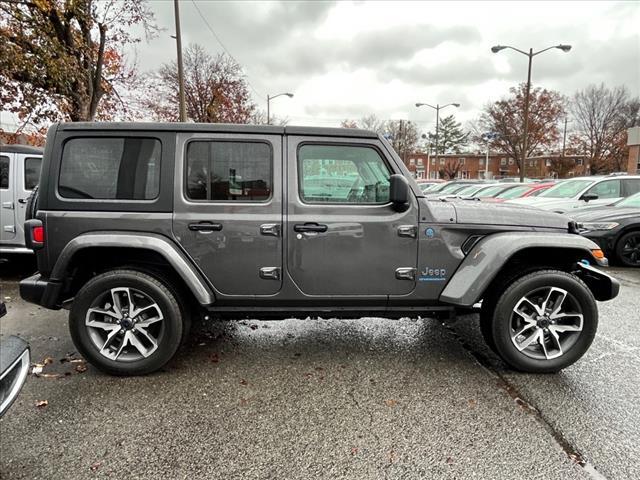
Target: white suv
(583, 191)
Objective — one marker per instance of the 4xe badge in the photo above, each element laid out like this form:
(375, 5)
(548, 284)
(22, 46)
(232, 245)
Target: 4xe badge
(433, 275)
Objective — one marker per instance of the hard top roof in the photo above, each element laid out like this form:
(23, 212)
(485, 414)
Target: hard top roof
(11, 148)
(218, 127)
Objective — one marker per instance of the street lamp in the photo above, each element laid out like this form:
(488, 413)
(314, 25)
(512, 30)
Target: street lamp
(531, 54)
(271, 97)
(437, 108)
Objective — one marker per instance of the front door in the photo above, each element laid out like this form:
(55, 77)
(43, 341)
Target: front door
(344, 237)
(228, 209)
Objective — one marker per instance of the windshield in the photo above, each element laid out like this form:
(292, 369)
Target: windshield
(566, 189)
(514, 192)
(490, 191)
(632, 201)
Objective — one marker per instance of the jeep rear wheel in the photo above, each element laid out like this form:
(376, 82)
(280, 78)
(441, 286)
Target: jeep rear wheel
(544, 321)
(126, 322)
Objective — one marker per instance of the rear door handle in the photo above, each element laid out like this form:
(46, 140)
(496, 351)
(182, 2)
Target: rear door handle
(205, 227)
(310, 227)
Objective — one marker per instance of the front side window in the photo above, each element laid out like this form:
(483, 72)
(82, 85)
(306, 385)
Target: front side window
(229, 171)
(32, 166)
(4, 172)
(110, 168)
(607, 189)
(342, 174)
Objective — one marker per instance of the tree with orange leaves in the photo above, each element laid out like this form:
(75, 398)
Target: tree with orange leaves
(64, 60)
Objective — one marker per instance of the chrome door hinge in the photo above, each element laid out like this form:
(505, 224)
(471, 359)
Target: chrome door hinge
(410, 231)
(272, 229)
(406, 273)
(270, 273)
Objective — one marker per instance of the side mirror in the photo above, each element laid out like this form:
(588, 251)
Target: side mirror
(399, 192)
(589, 196)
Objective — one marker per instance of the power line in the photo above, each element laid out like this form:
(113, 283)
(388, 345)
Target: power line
(223, 47)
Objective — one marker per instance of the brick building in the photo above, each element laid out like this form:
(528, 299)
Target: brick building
(472, 165)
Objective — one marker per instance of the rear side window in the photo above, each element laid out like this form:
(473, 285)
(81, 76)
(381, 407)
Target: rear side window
(110, 168)
(631, 186)
(342, 174)
(229, 171)
(32, 166)
(4, 172)
(607, 189)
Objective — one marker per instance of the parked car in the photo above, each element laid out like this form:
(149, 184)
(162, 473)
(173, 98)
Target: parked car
(452, 188)
(583, 191)
(14, 366)
(616, 228)
(425, 185)
(144, 225)
(450, 185)
(491, 191)
(521, 191)
(19, 174)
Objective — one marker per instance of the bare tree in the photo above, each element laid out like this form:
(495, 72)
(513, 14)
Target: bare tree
(215, 89)
(373, 123)
(602, 116)
(403, 136)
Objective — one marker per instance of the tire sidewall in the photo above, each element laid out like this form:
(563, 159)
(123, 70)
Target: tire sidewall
(160, 294)
(504, 308)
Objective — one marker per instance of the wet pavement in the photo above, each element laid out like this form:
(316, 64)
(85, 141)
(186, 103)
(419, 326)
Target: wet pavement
(369, 398)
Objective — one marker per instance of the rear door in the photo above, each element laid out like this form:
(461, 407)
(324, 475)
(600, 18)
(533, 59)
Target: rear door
(343, 236)
(28, 175)
(7, 198)
(608, 192)
(228, 209)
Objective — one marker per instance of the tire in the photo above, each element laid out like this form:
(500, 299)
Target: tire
(628, 249)
(549, 342)
(32, 204)
(117, 343)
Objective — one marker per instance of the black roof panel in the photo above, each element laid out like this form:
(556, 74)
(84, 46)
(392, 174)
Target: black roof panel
(219, 127)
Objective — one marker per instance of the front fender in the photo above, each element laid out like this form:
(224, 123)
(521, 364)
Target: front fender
(191, 276)
(485, 260)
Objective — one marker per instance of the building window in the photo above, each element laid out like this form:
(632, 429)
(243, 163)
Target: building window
(579, 161)
(461, 161)
(412, 161)
(420, 162)
(433, 161)
(442, 161)
(481, 161)
(503, 161)
(511, 161)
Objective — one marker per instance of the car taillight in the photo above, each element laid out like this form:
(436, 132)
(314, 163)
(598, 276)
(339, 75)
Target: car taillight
(37, 234)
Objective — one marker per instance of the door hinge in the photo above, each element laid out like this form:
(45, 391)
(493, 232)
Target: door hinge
(8, 205)
(406, 273)
(10, 228)
(410, 231)
(270, 273)
(272, 229)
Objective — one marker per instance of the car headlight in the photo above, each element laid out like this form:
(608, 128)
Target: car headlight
(591, 226)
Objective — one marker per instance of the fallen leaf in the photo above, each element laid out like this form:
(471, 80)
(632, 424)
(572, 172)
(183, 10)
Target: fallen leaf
(95, 466)
(47, 361)
(391, 403)
(214, 358)
(319, 369)
(450, 460)
(48, 375)
(36, 369)
(81, 368)
(42, 403)
(473, 402)
(354, 451)
(243, 382)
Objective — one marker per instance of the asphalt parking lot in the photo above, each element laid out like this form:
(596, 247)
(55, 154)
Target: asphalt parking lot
(369, 398)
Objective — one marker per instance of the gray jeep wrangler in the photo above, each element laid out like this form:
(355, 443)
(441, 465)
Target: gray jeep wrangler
(141, 227)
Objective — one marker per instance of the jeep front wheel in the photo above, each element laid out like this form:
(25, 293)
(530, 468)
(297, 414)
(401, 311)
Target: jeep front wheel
(126, 322)
(543, 322)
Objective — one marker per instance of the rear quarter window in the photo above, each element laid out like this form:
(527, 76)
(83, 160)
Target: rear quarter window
(110, 168)
(32, 167)
(4, 172)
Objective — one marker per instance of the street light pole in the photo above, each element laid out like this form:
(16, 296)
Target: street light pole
(437, 108)
(530, 55)
(271, 97)
(183, 108)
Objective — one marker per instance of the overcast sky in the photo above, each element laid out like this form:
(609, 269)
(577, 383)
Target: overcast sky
(349, 59)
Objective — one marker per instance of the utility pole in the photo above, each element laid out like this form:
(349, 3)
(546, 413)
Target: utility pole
(525, 133)
(183, 108)
(564, 137)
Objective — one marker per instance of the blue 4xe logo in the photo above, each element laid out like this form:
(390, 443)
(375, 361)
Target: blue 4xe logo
(433, 274)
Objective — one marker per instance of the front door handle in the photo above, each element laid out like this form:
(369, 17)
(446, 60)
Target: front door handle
(310, 227)
(22, 200)
(205, 227)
